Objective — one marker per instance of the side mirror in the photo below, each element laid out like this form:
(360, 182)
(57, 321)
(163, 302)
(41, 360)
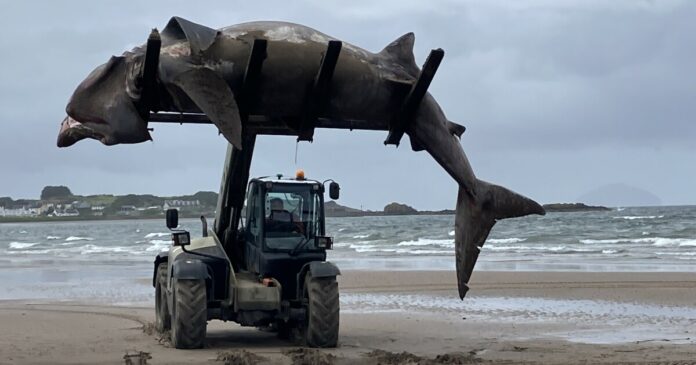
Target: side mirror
(334, 190)
(172, 218)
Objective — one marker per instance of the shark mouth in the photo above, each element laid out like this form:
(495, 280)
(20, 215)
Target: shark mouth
(72, 131)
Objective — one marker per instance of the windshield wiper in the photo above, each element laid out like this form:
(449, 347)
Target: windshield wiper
(299, 245)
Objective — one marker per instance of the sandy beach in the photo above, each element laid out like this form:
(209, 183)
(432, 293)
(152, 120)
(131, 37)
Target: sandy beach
(508, 317)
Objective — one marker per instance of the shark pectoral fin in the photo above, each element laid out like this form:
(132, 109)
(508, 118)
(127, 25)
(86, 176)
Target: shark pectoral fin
(212, 95)
(476, 217)
(416, 146)
(456, 129)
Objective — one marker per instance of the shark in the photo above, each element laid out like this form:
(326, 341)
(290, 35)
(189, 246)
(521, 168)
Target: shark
(201, 70)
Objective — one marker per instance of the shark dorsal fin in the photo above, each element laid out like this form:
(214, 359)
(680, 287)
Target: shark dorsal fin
(199, 36)
(401, 51)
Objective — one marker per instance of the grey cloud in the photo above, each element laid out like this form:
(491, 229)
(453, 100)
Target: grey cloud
(558, 98)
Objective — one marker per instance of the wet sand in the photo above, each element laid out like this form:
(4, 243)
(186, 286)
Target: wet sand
(508, 317)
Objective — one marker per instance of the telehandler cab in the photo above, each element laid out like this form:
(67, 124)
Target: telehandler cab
(269, 271)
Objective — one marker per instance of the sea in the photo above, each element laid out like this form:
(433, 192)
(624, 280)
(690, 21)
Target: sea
(111, 261)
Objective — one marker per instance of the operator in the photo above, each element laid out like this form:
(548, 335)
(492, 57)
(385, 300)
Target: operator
(281, 220)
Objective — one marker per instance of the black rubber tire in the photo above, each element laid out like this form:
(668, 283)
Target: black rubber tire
(189, 314)
(321, 328)
(163, 320)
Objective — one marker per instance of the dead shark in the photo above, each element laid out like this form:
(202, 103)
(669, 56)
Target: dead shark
(201, 70)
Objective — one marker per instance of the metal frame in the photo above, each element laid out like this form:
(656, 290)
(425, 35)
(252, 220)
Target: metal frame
(238, 162)
(410, 106)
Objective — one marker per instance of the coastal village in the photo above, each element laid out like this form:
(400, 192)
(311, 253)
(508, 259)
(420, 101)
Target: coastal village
(58, 202)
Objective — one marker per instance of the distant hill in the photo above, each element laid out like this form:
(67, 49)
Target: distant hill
(620, 195)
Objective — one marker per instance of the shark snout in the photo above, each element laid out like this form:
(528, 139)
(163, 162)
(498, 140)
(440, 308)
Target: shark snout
(71, 131)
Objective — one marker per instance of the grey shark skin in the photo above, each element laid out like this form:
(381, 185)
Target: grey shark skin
(201, 70)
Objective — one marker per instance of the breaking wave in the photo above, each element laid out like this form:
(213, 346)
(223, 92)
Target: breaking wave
(633, 217)
(22, 245)
(157, 234)
(76, 238)
(506, 240)
(656, 241)
(428, 242)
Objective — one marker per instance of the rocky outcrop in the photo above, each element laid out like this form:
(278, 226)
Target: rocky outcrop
(333, 209)
(573, 207)
(399, 209)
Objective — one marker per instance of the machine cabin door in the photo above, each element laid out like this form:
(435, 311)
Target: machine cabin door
(253, 238)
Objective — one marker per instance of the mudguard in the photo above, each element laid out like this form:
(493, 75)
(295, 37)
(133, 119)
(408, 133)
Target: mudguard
(160, 258)
(323, 269)
(318, 269)
(188, 268)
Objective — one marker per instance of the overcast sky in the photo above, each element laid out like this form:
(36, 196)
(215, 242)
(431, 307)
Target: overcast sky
(558, 97)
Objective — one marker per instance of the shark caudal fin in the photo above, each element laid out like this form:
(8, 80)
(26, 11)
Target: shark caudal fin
(476, 216)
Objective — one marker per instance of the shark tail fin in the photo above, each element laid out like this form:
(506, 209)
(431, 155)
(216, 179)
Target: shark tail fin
(475, 216)
(400, 52)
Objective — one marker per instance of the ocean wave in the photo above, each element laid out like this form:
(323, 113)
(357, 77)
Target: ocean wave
(77, 238)
(608, 241)
(690, 253)
(30, 252)
(556, 250)
(451, 233)
(160, 242)
(22, 245)
(656, 241)
(428, 242)
(88, 249)
(53, 238)
(365, 248)
(157, 234)
(506, 240)
(425, 252)
(359, 247)
(523, 248)
(633, 217)
(158, 245)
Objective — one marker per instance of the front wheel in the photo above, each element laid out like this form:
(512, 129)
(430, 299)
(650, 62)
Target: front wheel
(189, 313)
(162, 318)
(322, 311)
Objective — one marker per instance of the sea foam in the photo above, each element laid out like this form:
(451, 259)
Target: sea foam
(22, 245)
(428, 242)
(157, 234)
(656, 241)
(506, 240)
(633, 217)
(76, 238)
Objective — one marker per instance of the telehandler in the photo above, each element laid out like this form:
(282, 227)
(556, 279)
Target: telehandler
(267, 270)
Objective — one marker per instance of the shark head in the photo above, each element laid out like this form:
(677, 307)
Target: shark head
(106, 105)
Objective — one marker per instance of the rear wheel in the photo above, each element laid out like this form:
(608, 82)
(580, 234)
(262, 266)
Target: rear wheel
(162, 318)
(322, 311)
(189, 314)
